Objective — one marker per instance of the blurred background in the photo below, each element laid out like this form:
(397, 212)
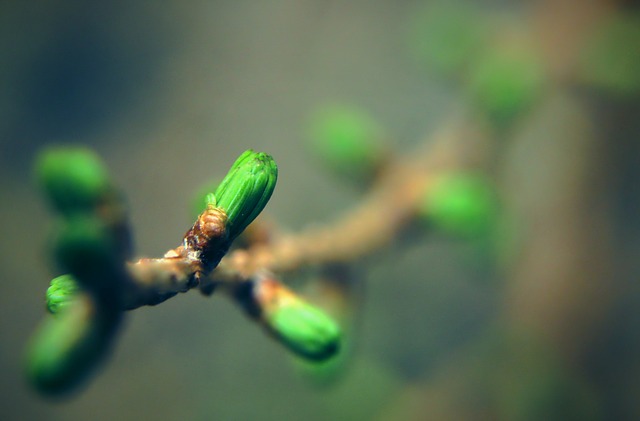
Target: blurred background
(541, 325)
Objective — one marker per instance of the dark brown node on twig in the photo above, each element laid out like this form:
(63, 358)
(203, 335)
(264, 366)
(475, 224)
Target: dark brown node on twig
(207, 241)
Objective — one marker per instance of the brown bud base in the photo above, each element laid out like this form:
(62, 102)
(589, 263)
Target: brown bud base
(207, 241)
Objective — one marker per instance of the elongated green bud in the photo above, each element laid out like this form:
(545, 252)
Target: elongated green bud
(68, 348)
(301, 327)
(61, 293)
(73, 178)
(245, 190)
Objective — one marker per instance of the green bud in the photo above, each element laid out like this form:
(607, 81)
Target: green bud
(61, 293)
(66, 349)
(303, 328)
(73, 178)
(86, 248)
(505, 82)
(243, 159)
(460, 204)
(245, 190)
(347, 141)
(306, 330)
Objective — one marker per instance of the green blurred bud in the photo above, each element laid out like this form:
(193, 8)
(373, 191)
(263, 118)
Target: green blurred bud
(66, 349)
(61, 293)
(303, 328)
(87, 248)
(245, 190)
(73, 178)
(347, 141)
(460, 204)
(506, 81)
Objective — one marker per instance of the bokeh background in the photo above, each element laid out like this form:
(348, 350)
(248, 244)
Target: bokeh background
(544, 326)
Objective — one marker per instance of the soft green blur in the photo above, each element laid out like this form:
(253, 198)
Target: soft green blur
(461, 204)
(67, 349)
(505, 82)
(73, 178)
(347, 141)
(85, 246)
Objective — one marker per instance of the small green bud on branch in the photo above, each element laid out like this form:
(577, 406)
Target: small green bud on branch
(245, 190)
(300, 326)
(240, 197)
